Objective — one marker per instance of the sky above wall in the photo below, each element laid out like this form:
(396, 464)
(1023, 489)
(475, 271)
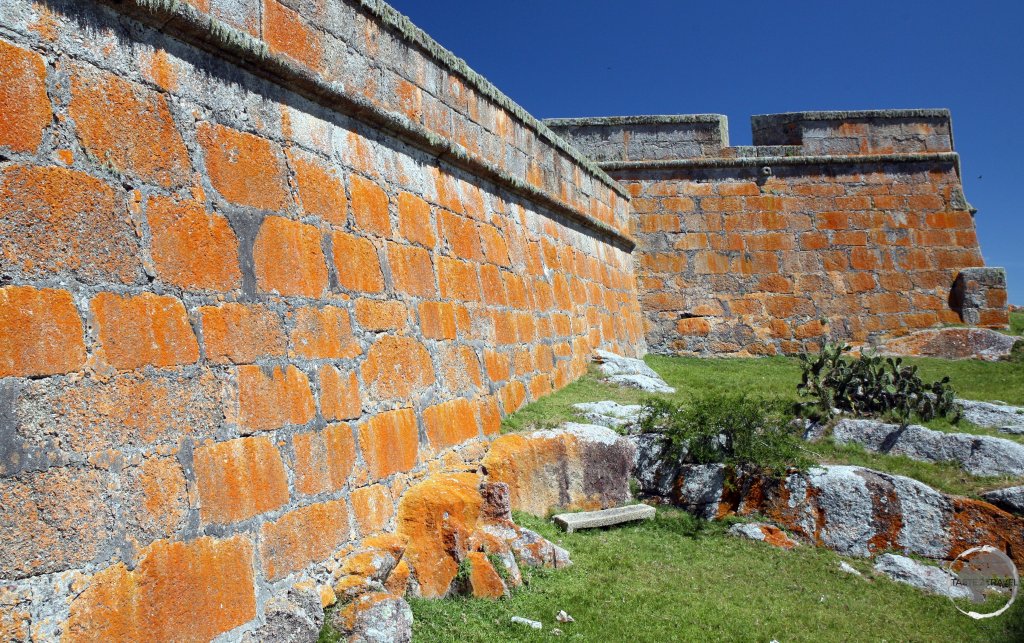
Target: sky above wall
(562, 58)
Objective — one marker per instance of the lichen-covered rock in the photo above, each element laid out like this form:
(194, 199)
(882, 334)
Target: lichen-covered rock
(979, 455)
(853, 510)
(376, 617)
(577, 466)
(455, 520)
(952, 343)
(763, 532)
(1010, 499)
(927, 577)
(293, 616)
(994, 415)
(610, 414)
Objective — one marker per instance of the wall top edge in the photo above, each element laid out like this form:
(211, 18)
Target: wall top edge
(841, 115)
(414, 35)
(768, 161)
(660, 119)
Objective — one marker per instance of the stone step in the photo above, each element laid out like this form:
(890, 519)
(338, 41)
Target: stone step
(603, 518)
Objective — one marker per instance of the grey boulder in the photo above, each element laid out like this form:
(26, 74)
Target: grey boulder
(291, 616)
(1010, 499)
(627, 371)
(994, 415)
(926, 577)
(642, 382)
(979, 455)
(610, 414)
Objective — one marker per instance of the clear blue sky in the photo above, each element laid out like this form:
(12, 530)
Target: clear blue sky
(615, 57)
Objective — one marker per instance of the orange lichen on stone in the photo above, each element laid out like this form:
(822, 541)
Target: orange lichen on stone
(414, 220)
(370, 206)
(324, 459)
(15, 619)
(144, 329)
(272, 398)
(412, 270)
(239, 479)
(24, 106)
(288, 258)
(286, 33)
(324, 333)
(776, 537)
(544, 471)
(53, 219)
(339, 394)
(397, 368)
(177, 591)
(435, 516)
(451, 423)
(241, 333)
(437, 320)
(373, 508)
(357, 263)
(307, 535)
(128, 127)
(158, 69)
(484, 580)
(192, 249)
(490, 416)
(245, 169)
(460, 368)
(376, 315)
(321, 190)
(390, 443)
(40, 331)
(975, 521)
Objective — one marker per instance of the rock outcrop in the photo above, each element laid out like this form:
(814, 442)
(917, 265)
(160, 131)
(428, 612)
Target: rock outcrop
(634, 373)
(1010, 499)
(853, 510)
(577, 466)
(979, 455)
(994, 415)
(457, 529)
(927, 577)
(953, 343)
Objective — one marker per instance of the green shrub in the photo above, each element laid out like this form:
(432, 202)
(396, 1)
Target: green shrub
(732, 429)
(871, 386)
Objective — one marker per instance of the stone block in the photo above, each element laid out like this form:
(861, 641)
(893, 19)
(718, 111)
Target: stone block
(571, 522)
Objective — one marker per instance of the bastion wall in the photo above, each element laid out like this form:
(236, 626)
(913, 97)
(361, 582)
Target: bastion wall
(848, 226)
(262, 266)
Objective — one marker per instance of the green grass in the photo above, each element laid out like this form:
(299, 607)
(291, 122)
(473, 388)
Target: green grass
(778, 377)
(677, 578)
(1016, 324)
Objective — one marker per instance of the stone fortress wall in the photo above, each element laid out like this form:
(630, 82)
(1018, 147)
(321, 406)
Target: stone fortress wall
(842, 225)
(264, 265)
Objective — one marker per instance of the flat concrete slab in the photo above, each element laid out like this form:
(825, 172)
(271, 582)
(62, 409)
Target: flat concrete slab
(603, 518)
